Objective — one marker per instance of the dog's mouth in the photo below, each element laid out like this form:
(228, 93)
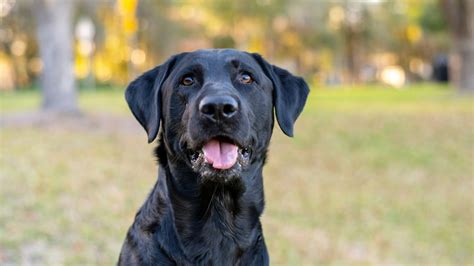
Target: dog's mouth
(219, 154)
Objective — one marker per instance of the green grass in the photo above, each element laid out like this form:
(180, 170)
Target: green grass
(374, 176)
(105, 100)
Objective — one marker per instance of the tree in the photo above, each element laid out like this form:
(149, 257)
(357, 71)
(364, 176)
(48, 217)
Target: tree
(54, 20)
(460, 17)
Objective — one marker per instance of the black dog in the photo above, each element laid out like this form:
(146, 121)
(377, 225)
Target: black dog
(216, 111)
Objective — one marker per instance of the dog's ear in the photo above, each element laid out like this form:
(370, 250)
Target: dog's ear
(144, 98)
(289, 94)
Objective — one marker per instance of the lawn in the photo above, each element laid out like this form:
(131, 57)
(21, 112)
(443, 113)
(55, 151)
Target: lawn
(374, 176)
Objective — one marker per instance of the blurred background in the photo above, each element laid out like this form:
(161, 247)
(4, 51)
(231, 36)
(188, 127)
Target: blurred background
(381, 170)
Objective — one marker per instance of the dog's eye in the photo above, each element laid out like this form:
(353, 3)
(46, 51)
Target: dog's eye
(187, 81)
(245, 78)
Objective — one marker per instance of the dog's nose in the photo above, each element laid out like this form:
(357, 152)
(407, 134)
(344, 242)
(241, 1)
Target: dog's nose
(218, 107)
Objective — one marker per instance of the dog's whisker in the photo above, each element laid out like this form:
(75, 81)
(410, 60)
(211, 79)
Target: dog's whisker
(210, 202)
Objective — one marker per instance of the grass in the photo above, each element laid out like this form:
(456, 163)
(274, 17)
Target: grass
(105, 100)
(373, 176)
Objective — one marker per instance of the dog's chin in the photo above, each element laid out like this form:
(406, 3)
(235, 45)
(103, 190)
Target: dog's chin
(216, 164)
(211, 174)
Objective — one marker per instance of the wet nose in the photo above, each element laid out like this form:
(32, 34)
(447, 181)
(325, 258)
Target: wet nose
(218, 107)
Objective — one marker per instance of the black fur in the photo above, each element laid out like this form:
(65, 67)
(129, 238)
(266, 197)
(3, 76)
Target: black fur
(197, 215)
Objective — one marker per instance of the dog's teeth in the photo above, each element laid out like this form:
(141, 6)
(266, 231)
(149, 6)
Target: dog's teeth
(195, 156)
(245, 153)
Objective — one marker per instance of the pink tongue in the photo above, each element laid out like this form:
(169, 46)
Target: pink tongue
(221, 155)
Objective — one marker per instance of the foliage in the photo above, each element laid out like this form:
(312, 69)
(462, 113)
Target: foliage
(319, 39)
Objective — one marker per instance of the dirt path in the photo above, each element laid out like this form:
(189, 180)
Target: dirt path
(102, 122)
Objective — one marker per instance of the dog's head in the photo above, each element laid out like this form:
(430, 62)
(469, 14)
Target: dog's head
(216, 108)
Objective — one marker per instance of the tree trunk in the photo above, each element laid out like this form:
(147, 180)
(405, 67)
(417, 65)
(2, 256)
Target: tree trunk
(460, 17)
(54, 18)
(350, 43)
(465, 55)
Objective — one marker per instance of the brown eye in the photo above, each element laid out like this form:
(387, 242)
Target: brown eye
(245, 78)
(187, 81)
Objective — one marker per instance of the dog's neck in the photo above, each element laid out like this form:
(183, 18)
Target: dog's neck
(227, 209)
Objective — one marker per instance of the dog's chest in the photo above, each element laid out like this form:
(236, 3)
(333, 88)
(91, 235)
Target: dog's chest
(219, 240)
(215, 250)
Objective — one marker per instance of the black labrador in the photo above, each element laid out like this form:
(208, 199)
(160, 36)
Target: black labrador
(216, 112)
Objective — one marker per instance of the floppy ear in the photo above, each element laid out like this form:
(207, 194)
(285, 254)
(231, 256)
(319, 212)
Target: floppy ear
(289, 94)
(144, 98)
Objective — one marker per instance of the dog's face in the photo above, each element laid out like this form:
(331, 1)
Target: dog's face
(216, 109)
